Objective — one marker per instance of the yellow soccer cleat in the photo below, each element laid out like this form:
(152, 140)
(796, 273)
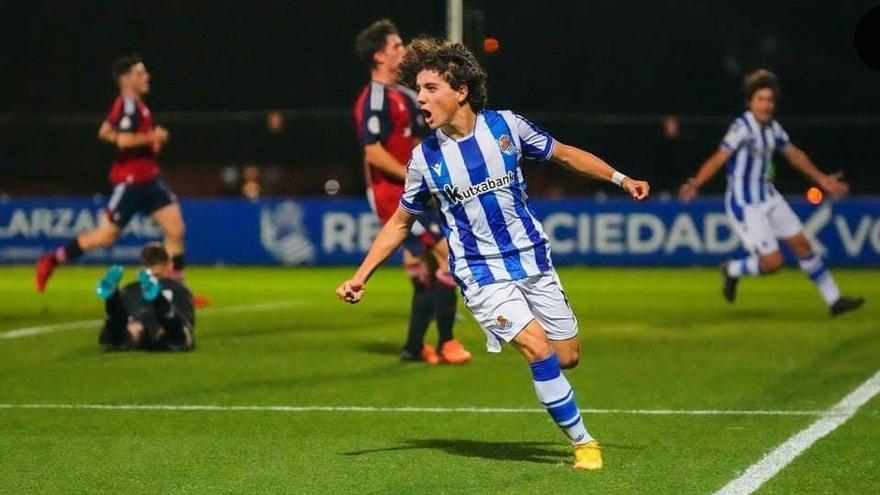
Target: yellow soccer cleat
(588, 456)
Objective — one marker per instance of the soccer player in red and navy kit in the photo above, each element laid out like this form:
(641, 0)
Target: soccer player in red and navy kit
(134, 175)
(389, 125)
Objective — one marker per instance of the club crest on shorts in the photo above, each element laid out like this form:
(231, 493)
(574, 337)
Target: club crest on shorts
(503, 323)
(506, 145)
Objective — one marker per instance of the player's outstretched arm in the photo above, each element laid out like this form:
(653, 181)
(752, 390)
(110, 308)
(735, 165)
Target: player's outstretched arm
(387, 241)
(590, 165)
(831, 183)
(708, 169)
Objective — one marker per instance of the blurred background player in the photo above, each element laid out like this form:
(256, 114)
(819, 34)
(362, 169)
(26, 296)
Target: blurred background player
(155, 313)
(389, 125)
(500, 255)
(757, 212)
(134, 175)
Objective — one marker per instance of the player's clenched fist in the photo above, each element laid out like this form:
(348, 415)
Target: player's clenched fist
(638, 189)
(350, 292)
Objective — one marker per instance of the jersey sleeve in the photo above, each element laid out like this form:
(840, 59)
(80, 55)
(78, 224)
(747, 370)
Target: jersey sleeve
(415, 191)
(376, 123)
(736, 135)
(780, 136)
(123, 115)
(536, 143)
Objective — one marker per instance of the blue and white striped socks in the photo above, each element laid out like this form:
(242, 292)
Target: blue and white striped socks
(815, 268)
(556, 394)
(750, 265)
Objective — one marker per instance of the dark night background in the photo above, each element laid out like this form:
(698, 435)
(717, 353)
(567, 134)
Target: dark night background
(565, 64)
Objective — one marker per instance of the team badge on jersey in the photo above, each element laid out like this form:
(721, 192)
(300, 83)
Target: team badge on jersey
(506, 145)
(503, 323)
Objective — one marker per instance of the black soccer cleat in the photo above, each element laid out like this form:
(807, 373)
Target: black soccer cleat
(728, 286)
(844, 304)
(408, 356)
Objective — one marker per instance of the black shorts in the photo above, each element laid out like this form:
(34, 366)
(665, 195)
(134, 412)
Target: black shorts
(426, 231)
(144, 197)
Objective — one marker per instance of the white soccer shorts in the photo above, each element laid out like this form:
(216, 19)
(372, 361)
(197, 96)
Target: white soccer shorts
(504, 308)
(761, 225)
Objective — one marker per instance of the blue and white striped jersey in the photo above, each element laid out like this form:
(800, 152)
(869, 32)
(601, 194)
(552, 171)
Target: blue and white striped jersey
(493, 235)
(752, 146)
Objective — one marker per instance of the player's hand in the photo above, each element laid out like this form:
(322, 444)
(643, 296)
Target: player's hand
(350, 291)
(688, 190)
(160, 134)
(638, 189)
(833, 185)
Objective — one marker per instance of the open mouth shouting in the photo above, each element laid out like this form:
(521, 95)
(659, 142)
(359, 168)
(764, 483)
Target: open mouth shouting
(427, 115)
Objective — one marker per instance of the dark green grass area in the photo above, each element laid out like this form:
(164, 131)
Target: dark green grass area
(651, 339)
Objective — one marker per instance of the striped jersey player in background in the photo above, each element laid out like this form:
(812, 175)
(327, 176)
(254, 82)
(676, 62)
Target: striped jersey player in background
(134, 175)
(757, 212)
(498, 251)
(389, 124)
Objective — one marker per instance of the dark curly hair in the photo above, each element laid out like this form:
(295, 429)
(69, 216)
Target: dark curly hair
(452, 61)
(373, 39)
(760, 79)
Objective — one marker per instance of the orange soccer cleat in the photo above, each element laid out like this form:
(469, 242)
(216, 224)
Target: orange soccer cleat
(429, 355)
(45, 267)
(452, 352)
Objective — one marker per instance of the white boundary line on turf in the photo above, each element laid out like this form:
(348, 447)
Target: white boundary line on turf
(406, 409)
(774, 462)
(73, 325)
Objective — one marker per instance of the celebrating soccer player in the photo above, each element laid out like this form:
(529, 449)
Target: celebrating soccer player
(389, 125)
(758, 213)
(498, 251)
(134, 176)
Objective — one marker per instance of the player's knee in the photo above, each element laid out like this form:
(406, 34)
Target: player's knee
(569, 360)
(175, 231)
(534, 347)
(772, 262)
(801, 246)
(106, 237)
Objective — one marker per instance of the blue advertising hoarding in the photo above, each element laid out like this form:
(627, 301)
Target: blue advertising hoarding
(319, 231)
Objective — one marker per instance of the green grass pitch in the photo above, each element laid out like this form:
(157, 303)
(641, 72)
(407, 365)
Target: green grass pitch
(652, 339)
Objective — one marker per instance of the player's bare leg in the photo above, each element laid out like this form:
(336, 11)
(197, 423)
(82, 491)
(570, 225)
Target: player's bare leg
(814, 267)
(752, 265)
(568, 350)
(169, 218)
(555, 393)
(103, 236)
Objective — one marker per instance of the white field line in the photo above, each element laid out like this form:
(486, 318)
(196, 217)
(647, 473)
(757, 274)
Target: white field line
(774, 462)
(406, 409)
(74, 325)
